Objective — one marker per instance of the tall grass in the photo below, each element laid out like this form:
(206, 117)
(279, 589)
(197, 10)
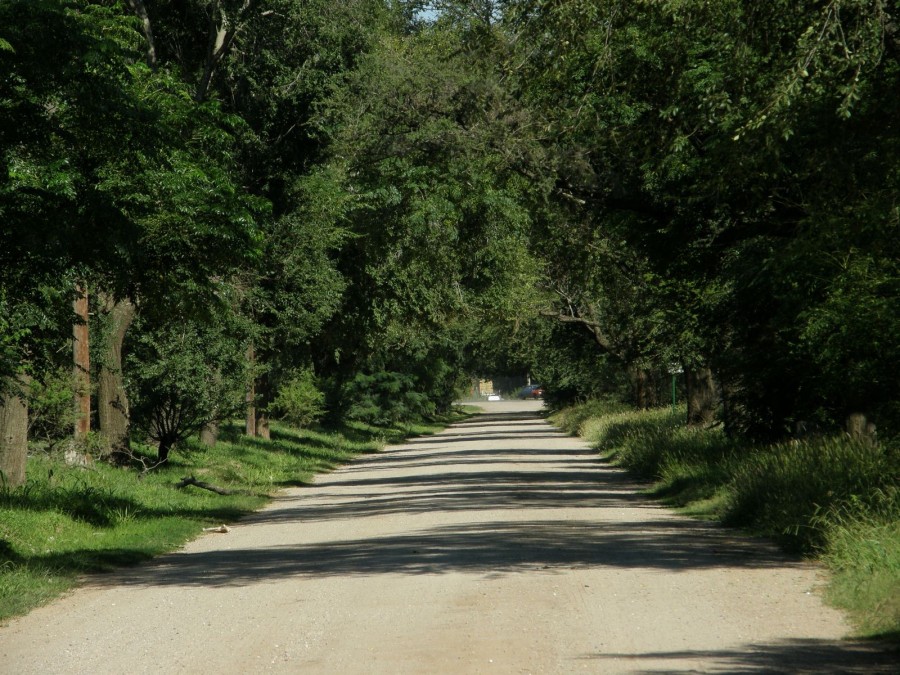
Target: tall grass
(863, 551)
(574, 417)
(782, 489)
(66, 520)
(827, 497)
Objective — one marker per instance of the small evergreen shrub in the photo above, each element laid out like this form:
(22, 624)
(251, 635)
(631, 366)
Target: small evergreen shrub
(385, 398)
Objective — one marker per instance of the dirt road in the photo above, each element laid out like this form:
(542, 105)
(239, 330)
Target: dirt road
(497, 546)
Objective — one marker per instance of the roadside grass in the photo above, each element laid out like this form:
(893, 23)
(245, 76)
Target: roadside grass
(67, 521)
(829, 498)
(863, 553)
(574, 417)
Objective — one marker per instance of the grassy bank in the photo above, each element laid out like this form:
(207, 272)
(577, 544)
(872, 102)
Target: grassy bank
(829, 498)
(66, 521)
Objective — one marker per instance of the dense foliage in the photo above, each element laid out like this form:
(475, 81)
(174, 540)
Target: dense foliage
(317, 209)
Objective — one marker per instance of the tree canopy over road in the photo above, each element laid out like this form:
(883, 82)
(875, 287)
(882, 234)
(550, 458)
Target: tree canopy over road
(276, 204)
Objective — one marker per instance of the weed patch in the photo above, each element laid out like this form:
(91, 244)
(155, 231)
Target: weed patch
(863, 552)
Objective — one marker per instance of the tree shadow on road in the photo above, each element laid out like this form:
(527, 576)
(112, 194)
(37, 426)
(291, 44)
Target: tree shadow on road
(576, 491)
(524, 533)
(491, 547)
(796, 656)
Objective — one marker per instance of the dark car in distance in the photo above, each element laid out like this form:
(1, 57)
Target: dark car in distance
(531, 391)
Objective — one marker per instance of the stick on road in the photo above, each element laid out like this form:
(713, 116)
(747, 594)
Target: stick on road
(497, 546)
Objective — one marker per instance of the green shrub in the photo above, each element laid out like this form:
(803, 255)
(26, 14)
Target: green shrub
(386, 398)
(299, 401)
(51, 411)
(183, 375)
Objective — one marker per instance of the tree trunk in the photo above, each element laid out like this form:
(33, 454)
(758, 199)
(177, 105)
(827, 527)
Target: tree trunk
(13, 432)
(250, 428)
(861, 429)
(140, 10)
(81, 362)
(209, 434)
(162, 451)
(112, 401)
(644, 389)
(702, 396)
(262, 426)
(729, 418)
(222, 31)
(264, 393)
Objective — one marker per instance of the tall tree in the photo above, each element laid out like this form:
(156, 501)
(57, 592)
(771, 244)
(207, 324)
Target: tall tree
(432, 150)
(112, 399)
(112, 171)
(13, 431)
(695, 137)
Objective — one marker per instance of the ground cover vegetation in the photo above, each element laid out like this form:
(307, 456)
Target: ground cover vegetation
(324, 211)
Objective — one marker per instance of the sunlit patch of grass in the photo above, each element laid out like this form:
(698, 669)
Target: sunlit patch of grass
(24, 588)
(863, 551)
(573, 418)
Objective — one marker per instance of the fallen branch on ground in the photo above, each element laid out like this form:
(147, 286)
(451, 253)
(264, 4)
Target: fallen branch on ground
(190, 480)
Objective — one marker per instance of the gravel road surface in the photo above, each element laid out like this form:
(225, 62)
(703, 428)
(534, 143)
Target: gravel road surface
(497, 546)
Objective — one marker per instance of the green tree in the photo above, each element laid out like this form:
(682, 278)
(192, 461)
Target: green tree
(703, 147)
(432, 149)
(185, 374)
(112, 173)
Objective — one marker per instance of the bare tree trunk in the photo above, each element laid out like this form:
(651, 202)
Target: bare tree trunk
(222, 31)
(263, 393)
(250, 428)
(861, 429)
(112, 401)
(81, 362)
(262, 426)
(729, 416)
(163, 450)
(644, 389)
(209, 434)
(702, 396)
(638, 387)
(13, 431)
(140, 11)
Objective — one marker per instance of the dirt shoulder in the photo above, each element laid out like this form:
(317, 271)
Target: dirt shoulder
(499, 545)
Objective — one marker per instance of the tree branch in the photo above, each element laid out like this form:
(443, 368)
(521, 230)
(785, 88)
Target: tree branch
(221, 38)
(594, 327)
(190, 480)
(140, 10)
